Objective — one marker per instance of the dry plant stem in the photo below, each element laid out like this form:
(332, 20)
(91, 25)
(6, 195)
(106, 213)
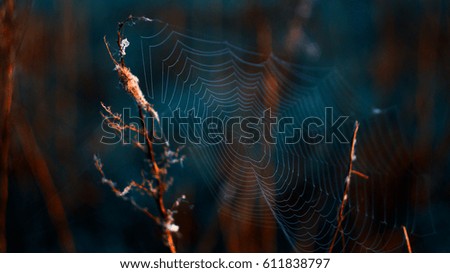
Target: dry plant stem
(408, 244)
(159, 198)
(341, 216)
(131, 86)
(120, 193)
(7, 51)
(40, 170)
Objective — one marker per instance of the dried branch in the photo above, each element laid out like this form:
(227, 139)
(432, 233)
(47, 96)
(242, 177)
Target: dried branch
(157, 185)
(115, 121)
(123, 194)
(341, 214)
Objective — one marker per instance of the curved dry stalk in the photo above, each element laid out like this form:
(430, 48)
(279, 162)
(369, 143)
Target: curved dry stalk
(341, 214)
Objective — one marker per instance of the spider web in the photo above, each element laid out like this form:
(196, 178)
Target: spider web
(301, 184)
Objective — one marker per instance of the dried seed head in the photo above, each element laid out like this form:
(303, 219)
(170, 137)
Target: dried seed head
(129, 81)
(131, 85)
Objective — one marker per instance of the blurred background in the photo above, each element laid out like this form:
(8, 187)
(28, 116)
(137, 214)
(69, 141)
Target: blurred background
(54, 63)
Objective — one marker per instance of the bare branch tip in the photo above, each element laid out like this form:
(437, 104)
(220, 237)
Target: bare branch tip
(109, 51)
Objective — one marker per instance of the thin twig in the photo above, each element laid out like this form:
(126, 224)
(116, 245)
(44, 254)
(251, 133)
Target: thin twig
(341, 214)
(405, 233)
(161, 186)
(109, 51)
(360, 174)
(123, 193)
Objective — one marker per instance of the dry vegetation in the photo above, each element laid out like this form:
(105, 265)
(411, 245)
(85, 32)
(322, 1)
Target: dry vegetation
(341, 212)
(156, 185)
(50, 112)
